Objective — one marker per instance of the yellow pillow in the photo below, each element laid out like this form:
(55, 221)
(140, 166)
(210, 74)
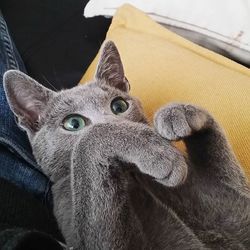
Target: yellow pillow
(162, 67)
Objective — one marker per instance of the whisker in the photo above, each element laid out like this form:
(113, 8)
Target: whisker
(49, 83)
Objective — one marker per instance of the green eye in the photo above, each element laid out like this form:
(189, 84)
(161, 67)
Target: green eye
(118, 106)
(74, 123)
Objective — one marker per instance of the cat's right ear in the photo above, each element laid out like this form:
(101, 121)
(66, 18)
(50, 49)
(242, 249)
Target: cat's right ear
(110, 69)
(26, 97)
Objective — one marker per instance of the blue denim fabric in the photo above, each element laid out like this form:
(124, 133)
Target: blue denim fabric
(17, 163)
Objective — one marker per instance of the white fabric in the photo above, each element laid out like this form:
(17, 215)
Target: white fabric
(225, 21)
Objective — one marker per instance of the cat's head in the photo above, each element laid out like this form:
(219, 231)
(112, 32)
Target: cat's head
(54, 120)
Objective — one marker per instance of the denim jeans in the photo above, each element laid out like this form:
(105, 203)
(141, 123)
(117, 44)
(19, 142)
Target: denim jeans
(17, 163)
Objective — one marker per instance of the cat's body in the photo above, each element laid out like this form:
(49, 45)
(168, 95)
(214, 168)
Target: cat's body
(119, 184)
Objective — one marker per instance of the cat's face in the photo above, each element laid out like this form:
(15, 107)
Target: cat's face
(55, 120)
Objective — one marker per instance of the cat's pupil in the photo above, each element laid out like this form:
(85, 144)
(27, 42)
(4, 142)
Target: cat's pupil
(118, 109)
(75, 123)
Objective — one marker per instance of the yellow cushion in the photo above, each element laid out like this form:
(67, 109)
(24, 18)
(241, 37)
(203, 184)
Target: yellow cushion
(162, 67)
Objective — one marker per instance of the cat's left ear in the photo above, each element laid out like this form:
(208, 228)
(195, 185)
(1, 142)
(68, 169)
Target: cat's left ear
(110, 69)
(26, 97)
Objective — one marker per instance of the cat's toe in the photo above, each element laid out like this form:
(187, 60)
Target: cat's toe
(176, 176)
(177, 121)
(169, 167)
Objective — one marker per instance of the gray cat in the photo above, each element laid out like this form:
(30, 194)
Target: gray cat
(120, 184)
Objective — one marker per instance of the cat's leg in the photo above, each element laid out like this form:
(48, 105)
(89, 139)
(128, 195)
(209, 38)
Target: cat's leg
(206, 143)
(215, 198)
(103, 216)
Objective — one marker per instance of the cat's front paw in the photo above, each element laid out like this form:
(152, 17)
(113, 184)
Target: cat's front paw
(178, 121)
(165, 163)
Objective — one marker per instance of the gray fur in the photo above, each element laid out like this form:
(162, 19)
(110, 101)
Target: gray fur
(120, 184)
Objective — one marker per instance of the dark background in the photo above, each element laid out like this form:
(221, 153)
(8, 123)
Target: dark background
(55, 41)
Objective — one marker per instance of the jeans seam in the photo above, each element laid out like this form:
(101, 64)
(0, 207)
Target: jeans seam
(8, 44)
(46, 193)
(21, 153)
